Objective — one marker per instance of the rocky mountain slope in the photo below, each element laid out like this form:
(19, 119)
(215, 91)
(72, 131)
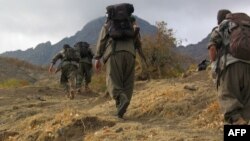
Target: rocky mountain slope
(13, 69)
(198, 51)
(42, 53)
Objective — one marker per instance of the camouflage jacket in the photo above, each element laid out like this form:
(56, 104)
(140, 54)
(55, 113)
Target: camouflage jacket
(60, 56)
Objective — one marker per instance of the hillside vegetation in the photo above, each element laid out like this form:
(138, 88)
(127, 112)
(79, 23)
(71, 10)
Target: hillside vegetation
(175, 104)
(164, 109)
(14, 72)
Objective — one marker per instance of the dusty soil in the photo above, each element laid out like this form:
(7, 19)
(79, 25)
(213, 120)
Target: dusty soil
(183, 109)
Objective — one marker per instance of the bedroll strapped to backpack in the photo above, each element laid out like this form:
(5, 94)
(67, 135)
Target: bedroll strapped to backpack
(240, 36)
(120, 11)
(119, 21)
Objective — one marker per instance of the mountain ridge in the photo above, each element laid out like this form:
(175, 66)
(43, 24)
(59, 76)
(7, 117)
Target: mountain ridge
(197, 51)
(43, 52)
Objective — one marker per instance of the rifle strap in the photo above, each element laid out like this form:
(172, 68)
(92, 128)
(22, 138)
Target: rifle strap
(113, 47)
(219, 71)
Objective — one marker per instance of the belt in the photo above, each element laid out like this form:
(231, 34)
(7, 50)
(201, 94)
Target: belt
(70, 62)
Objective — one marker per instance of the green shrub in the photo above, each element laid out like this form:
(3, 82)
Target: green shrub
(163, 62)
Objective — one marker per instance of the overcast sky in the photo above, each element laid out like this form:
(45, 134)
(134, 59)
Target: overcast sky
(26, 23)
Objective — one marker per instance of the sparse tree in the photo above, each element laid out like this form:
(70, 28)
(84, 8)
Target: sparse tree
(158, 49)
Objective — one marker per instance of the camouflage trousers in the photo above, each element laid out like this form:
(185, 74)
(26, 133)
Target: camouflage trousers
(84, 74)
(68, 78)
(120, 79)
(234, 92)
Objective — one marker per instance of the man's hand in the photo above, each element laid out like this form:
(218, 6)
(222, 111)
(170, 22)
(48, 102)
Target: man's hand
(98, 65)
(51, 69)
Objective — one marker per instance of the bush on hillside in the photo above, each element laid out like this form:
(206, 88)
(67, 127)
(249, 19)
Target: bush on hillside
(162, 61)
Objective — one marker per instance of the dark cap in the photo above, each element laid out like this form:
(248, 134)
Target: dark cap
(85, 44)
(81, 44)
(66, 46)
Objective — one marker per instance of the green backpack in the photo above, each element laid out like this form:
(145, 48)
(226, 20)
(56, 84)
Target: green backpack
(70, 54)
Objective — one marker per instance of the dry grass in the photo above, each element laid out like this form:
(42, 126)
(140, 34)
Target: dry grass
(164, 110)
(210, 117)
(13, 83)
(15, 73)
(21, 63)
(159, 110)
(98, 82)
(164, 102)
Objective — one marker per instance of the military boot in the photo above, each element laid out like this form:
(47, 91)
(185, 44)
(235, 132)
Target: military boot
(240, 121)
(78, 91)
(87, 89)
(117, 102)
(72, 94)
(123, 105)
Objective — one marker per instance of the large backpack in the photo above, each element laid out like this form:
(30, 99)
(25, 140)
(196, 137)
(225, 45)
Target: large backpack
(119, 23)
(70, 54)
(240, 36)
(85, 51)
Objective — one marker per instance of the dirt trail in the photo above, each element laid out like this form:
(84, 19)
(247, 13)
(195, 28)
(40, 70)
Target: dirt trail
(183, 109)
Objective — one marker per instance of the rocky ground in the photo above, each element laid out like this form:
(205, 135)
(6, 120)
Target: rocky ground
(181, 109)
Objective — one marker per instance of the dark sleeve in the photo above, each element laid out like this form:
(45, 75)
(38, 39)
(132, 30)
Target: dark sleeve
(138, 46)
(101, 43)
(56, 57)
(91, 54)
(137, 42)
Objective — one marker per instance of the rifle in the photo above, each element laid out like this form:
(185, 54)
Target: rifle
(140, 52)
(142, 56)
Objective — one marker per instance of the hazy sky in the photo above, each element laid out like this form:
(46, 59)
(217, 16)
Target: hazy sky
(26, 23)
